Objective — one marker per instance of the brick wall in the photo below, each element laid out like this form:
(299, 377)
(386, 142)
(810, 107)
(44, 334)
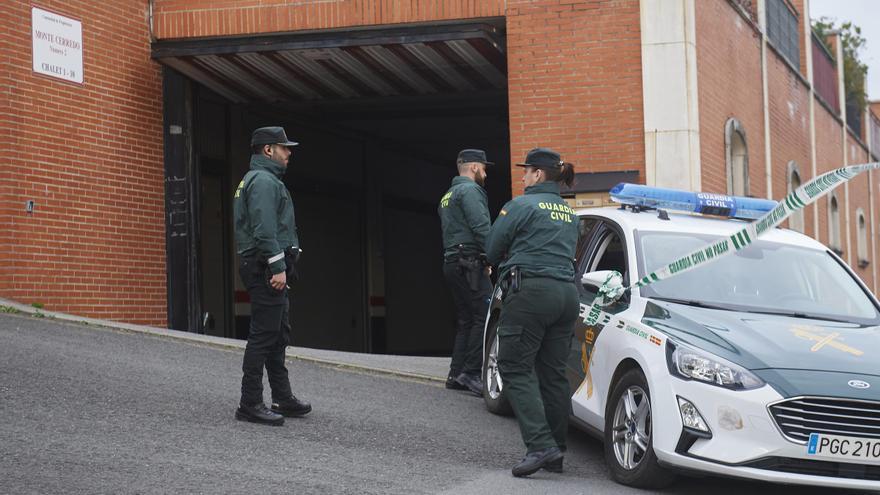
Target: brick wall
(858, 193)
(575, 83)
(729, 90)
(828, 157)
(574, 67)
(90, 156)
(195, 18)
(789, 128)
(874, 123)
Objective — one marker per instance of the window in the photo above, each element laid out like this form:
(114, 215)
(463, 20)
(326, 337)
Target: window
(610, 255)
(737, 157)
(834, 224)
(862, 246)
(782, 29)
(771, 277)
(585, 234)
(796, 220)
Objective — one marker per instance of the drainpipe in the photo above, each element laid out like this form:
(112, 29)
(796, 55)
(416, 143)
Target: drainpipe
(808, 51)
(768, 156)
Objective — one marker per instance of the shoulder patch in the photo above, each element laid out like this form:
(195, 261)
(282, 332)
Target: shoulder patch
(503, 212)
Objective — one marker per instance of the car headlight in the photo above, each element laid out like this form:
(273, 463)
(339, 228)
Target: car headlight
(695, 364)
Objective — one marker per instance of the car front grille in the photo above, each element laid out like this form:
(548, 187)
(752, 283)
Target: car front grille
(817, 468)
(799, 417)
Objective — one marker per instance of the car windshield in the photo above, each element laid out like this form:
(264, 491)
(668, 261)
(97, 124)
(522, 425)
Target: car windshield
(766, 277)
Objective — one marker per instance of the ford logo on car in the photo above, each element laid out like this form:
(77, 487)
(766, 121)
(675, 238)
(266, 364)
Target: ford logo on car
(858, 384)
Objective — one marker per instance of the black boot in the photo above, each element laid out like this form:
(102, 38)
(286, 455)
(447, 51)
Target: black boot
(291, 407)
(554, 466)
(451, 384)
(471, 382)
(258, 413)
(533, 461)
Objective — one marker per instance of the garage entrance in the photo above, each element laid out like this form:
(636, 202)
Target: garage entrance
(381, 115)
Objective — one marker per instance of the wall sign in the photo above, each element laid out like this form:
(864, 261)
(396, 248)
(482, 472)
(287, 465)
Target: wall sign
(58, 49)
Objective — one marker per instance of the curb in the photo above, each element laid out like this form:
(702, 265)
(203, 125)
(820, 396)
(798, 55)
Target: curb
(217, 342)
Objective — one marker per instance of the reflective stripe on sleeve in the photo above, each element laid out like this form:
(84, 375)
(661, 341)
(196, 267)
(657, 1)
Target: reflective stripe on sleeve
(279, 256)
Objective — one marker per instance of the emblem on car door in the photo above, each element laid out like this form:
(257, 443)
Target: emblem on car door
(858, 384)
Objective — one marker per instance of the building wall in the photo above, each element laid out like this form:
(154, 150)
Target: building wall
(859, 198)
(198, 18)
(828, 157)
(575, 83)
(90, 156)
(788, 99)
(573, 88)
(729, 90)
(734, 89)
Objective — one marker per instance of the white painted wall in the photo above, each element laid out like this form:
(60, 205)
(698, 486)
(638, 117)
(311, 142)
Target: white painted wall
(669, 82)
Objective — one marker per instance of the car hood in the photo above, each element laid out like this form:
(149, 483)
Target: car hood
(794, 383)
(758, 341)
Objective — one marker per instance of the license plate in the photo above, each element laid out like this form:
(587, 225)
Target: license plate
(845, 449)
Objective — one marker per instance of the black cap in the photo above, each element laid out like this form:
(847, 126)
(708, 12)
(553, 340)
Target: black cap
(473, 156)
(542, 158)
(271, 135)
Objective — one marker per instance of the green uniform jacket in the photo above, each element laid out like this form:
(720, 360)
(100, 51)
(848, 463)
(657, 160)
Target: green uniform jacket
(536, 232)
(464, 218)
(265, 224)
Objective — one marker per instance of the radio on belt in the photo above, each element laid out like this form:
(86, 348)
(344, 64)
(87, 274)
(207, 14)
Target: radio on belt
(696, 202)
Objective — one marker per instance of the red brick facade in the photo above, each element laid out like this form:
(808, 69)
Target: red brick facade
(575, 83)
(789, 128)
(90, 156)
(200, 18)
(566, 83)
(730, 86)
(829, 155)
(727, 90)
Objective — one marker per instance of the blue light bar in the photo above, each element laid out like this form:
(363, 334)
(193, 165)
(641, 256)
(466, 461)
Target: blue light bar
(704, 203)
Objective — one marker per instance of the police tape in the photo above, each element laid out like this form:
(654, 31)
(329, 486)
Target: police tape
(796, 200)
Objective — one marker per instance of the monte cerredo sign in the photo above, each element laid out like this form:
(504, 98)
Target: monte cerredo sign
(58, 48)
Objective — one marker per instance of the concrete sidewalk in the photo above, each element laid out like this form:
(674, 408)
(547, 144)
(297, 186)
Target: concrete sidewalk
(424, 368)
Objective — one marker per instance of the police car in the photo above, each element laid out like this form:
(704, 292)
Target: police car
(762, 364)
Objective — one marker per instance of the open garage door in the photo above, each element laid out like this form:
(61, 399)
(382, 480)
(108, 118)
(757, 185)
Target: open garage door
(381, 115)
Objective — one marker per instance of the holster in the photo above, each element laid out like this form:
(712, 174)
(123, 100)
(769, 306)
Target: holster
(511, 281)
(472, 269)
(291, 258)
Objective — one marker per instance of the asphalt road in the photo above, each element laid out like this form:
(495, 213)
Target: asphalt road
(87, 410)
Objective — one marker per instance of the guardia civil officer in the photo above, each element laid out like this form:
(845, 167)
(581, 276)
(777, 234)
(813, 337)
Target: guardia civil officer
(464, 218)
(265, 232)
(534, 240)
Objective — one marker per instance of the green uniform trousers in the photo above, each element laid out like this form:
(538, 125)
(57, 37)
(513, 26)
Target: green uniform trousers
(534, 337)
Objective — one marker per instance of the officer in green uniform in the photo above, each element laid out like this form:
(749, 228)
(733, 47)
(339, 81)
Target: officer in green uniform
(268, 247)
(534, 240)
(464, 218)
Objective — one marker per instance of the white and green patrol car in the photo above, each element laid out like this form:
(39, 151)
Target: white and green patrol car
(763, 364)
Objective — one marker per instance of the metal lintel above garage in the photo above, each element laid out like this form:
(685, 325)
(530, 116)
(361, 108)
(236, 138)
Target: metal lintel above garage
(364, 63)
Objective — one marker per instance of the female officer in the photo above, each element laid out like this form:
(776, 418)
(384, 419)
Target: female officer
(534, 240)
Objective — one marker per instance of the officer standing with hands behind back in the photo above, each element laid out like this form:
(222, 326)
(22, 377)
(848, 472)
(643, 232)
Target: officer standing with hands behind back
(464, 218)
(268, 245)
(534, 239)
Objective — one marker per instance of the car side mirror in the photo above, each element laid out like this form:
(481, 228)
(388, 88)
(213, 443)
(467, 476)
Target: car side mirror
(610, 279)
(594, 280)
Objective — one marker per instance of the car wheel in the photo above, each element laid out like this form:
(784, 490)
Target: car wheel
(629, 450)
(492, 386)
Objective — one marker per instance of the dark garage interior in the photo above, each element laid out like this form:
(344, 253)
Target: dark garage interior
(380, 115)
